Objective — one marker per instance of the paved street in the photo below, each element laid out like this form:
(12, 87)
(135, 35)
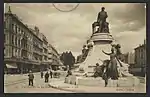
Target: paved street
(58, 86)
(39, 86)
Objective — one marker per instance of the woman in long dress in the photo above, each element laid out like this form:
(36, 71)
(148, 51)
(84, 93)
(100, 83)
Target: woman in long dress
(112, 67)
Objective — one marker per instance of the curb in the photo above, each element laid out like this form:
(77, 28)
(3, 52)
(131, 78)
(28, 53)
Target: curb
(55, 87)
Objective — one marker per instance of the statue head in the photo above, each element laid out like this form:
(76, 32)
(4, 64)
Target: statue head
(118, 46)
(97, 64)
(103, 8)
(84, 46)
(112, 50)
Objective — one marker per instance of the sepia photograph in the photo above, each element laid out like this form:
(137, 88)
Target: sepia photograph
(75, 48)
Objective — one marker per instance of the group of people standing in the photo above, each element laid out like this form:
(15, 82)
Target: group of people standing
(47, 75)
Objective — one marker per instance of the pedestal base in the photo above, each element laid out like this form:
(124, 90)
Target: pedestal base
(90, 81)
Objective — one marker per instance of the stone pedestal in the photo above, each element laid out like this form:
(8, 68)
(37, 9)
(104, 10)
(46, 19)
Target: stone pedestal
(101, 42)
(91, 81)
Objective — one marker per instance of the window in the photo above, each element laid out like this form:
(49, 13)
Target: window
(12, 27)
(4, 38)
(12, 39)
(4, 24)
(16, 28)
(19, 30)
(16, 41)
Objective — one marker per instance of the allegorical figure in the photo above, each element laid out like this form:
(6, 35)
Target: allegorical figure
(113, 71)
(101, 19)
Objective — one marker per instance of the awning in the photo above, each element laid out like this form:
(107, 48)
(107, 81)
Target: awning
(11, 65)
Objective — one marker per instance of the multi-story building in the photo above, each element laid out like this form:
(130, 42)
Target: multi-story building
(25, 48)
(45, 52)
(53, 57)
(140, 55)
(18, 43)
(129, 58)
(37, 47)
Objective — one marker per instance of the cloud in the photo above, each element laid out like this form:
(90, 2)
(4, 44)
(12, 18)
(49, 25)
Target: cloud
(70, 30)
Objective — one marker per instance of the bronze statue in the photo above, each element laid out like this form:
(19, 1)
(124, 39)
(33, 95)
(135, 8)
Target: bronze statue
(101, 19)
(112, 67)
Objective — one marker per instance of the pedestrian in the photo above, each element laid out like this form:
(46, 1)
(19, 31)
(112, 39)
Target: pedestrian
(105, 71)
(31, 77)
(69, 73)
(46, 77)
(42, 74)
(51, 73)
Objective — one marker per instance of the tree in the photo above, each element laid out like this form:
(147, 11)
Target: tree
(68, 59)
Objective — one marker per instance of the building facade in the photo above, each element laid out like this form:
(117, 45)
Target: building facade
(140, 55)
(25, 48)
(18, 46)
(54, 58)
(45, 52)
(129, 58)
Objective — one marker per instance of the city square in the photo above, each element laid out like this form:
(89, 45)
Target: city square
(101, 57)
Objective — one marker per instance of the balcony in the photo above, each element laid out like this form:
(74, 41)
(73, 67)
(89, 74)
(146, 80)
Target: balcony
(45, 46)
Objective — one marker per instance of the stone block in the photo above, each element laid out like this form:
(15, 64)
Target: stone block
(67, 80)
(124, 82)
(91, 81)
(73, 80)
(128, 82)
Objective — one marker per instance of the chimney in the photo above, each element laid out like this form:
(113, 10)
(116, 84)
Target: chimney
(36, 29)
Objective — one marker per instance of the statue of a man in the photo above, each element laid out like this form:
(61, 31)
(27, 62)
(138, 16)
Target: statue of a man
(101, 19)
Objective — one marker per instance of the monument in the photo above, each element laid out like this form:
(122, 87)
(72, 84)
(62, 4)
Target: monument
(100, 40)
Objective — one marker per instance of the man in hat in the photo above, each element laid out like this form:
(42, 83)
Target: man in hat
(46, 77)
(31, 77)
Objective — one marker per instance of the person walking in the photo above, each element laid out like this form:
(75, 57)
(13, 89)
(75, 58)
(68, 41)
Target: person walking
(46, 77)
(42, 74)
(69, 73)
(51, 73)
(105, 71)
(31, 77)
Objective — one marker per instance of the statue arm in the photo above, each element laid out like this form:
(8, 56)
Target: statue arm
(106, 53)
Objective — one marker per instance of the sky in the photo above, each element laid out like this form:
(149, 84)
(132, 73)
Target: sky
(69, 31)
